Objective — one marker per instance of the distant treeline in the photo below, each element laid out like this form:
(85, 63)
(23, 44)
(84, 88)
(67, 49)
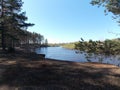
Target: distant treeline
(65, 45)
(107, 47)
(69, 45)
(23, 38)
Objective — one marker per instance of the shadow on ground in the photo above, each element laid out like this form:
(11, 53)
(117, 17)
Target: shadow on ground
(54, 75)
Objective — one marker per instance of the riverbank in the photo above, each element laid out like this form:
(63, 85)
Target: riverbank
(69, 45)
(26, 71)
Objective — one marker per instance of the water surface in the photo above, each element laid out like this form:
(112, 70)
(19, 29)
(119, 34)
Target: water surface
(71, 55)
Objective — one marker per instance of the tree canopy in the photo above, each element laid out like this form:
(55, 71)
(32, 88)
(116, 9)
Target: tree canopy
(112, 6)
(12, 21)
(13, 26)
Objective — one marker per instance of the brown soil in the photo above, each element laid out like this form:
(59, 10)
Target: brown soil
(19, 72)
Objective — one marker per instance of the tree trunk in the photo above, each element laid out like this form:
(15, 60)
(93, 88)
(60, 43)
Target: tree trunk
(3, 38)
(2, 28)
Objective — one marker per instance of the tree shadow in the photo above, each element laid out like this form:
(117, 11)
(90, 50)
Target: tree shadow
(60, 76)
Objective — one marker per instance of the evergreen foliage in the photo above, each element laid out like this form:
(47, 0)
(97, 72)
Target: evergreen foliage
(12, 22)
(99, 47)
(112, 6)
(13, 26)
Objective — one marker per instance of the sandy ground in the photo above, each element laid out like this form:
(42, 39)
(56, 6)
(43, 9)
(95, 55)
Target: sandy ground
(23, 71)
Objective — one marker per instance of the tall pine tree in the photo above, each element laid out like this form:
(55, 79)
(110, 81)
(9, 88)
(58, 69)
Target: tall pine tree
(12, 21)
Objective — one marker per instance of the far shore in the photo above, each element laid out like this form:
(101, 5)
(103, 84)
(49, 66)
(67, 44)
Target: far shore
(24, 70)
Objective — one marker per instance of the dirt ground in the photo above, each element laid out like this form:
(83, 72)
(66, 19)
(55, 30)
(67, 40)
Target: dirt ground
(19, 72)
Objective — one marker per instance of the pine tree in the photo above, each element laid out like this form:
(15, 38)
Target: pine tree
(12, 20)
(112, 6)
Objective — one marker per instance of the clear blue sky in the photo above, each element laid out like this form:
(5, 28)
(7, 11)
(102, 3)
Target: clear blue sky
(69, 20)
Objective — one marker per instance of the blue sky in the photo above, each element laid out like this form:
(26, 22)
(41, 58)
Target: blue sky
(69, 20)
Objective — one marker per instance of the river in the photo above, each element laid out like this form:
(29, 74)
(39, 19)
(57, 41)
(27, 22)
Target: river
(61, 53)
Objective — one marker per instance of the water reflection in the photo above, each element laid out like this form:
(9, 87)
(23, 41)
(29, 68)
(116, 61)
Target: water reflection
(77, 56)
(101, 58)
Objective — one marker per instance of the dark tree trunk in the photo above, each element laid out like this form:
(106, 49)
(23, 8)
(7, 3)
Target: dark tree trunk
(2, 28)
(3, 38)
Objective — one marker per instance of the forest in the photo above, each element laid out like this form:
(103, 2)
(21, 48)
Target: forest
(13, 27)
